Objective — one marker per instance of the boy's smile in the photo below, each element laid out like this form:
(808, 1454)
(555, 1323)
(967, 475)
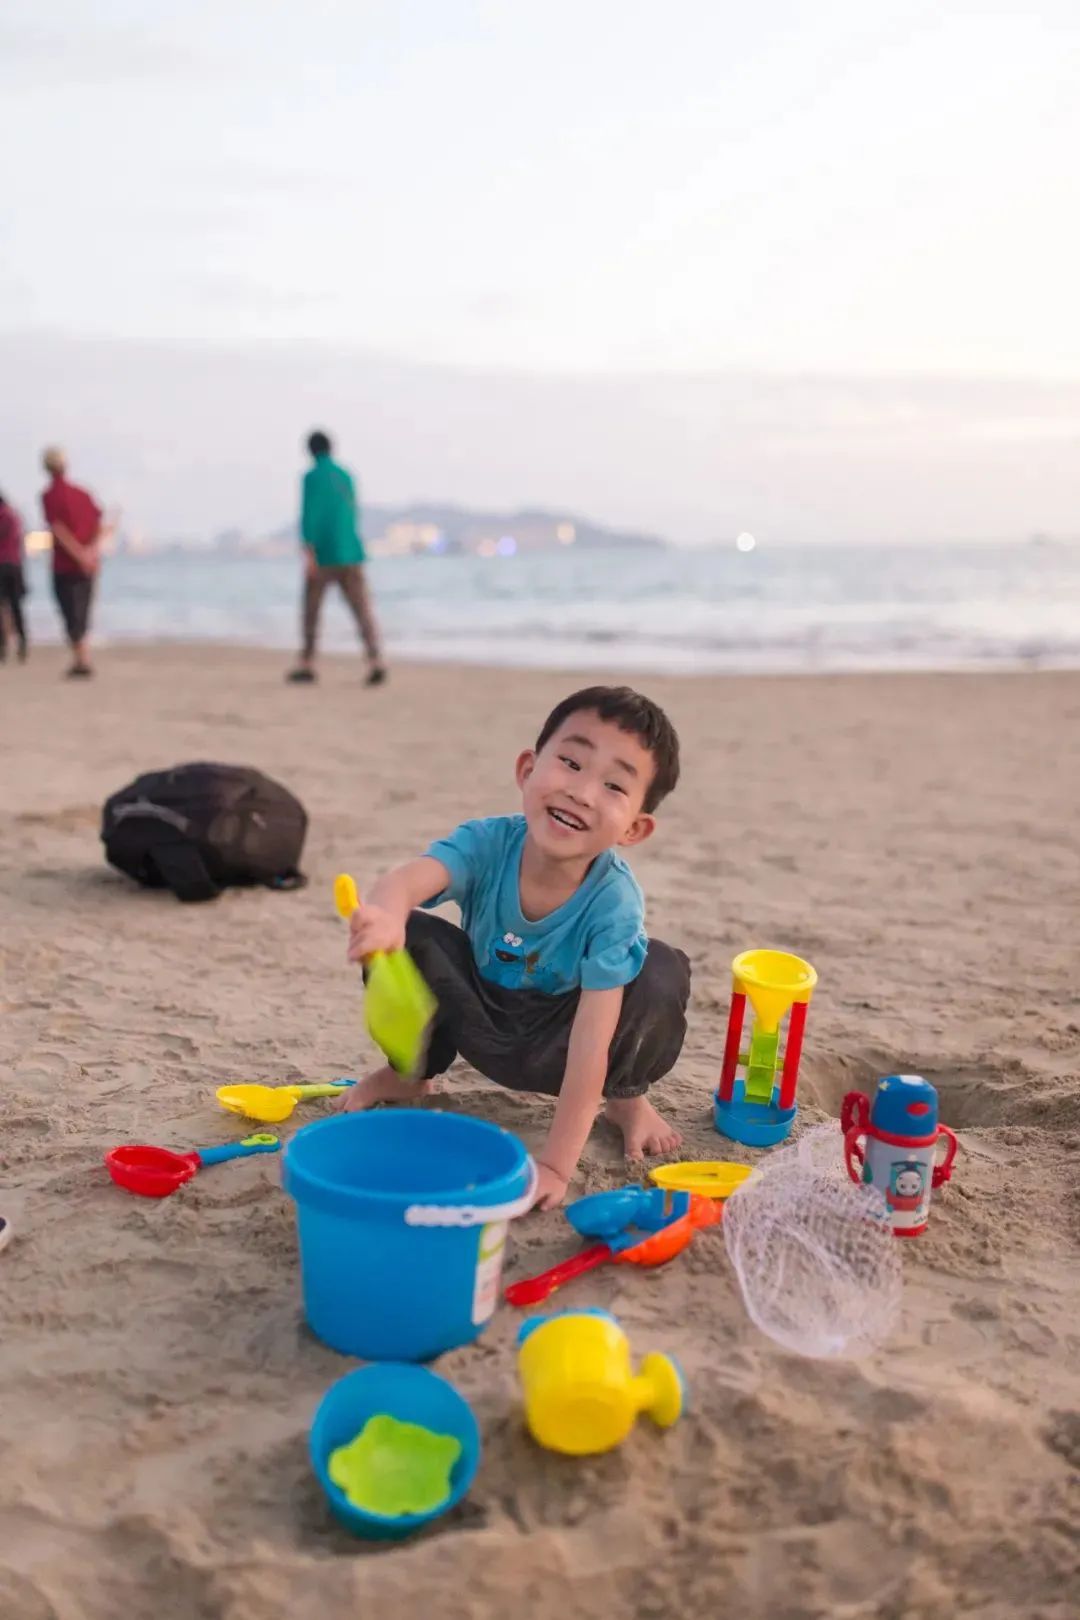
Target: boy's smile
(566, 818)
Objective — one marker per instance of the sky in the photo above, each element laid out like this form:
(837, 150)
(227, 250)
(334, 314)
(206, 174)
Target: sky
(584, 189)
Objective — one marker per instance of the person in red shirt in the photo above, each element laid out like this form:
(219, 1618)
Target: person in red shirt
(12, 580)
(75, 520)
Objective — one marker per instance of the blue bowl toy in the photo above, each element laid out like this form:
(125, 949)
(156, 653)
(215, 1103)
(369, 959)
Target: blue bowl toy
(411, 1395)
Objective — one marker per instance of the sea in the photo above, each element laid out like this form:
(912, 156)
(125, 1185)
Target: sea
(681, 611)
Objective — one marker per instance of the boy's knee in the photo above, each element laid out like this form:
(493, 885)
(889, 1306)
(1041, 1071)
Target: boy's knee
(433, 941)
(665, 974)
(652, 1026)
(419, 929)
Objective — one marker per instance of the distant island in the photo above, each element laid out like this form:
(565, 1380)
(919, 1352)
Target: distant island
(428, 529)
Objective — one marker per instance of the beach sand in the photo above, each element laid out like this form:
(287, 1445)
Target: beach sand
(915, 837)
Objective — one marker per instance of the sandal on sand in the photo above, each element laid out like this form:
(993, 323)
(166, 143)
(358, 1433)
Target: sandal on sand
(78, 672)
(302, 677)
(377, 676)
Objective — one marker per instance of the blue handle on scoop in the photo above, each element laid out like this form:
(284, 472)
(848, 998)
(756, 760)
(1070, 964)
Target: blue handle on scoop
(239, 1150)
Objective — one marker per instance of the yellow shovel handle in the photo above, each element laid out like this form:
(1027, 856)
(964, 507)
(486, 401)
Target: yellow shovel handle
(324, 1089)
(346, 897)
(347, 900)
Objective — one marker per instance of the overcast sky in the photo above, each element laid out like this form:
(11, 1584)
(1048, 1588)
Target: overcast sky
(582, 186)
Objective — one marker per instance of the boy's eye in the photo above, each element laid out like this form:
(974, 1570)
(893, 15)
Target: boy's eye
(616, 787)
(566, 760)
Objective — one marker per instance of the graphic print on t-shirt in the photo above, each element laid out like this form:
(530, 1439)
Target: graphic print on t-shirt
(511, 963)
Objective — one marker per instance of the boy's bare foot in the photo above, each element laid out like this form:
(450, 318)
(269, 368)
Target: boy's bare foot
(384, 1085)
(643, 1129)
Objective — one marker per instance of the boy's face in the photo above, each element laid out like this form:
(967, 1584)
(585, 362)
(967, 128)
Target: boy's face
(583, 792)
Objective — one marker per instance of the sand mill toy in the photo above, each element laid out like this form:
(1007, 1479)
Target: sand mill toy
(757, 1106)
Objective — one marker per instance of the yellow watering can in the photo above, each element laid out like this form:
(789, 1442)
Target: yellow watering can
(582, 1395)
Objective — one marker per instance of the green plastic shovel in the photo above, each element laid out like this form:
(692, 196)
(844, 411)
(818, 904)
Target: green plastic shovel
(398, 1004)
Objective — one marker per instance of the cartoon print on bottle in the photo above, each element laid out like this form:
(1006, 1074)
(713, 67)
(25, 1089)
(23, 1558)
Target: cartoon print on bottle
(909, 1185)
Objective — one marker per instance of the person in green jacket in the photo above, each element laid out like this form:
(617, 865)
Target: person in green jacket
(333, 555)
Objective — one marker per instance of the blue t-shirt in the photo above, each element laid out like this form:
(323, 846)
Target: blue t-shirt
(595, 940)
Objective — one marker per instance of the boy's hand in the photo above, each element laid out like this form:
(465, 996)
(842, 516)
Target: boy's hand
(591, 1036)
(551, 1187)
(374, 929)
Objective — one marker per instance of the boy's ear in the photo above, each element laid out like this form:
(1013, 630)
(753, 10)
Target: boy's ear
(523, 766)
(640, 828)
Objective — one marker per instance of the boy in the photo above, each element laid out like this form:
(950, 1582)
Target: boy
(551, 984)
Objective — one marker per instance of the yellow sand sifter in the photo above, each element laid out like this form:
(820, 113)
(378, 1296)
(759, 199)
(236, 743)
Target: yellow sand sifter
(398, 1003)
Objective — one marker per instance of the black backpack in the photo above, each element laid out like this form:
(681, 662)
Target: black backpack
(197, 828)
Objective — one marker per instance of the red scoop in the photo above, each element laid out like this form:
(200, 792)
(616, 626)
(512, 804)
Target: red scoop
(152, 1171)
(155, 1172)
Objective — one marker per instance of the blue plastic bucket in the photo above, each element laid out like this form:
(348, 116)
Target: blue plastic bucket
(401, 1216)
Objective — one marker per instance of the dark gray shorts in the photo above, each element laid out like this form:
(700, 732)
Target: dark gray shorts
(74, 594)
(519, 1038)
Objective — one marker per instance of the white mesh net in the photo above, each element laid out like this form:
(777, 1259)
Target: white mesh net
(815, 1256)
(820, 1148)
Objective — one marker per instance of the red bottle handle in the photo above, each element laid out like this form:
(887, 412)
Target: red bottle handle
(855, 1111)
(853, 1153)
(531, 1290)
(943, 1171)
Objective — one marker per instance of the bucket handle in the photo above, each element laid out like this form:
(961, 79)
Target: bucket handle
(475, 1214)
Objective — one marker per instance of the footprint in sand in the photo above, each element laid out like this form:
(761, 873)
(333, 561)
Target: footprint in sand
(1062, 1436)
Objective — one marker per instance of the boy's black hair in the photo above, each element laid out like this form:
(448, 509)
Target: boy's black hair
(319, 443)
(639, 717)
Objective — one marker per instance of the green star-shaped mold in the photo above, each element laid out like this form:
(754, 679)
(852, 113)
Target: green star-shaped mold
(395, 1468)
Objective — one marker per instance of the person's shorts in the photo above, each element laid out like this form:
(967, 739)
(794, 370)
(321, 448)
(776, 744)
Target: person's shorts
(74, 594)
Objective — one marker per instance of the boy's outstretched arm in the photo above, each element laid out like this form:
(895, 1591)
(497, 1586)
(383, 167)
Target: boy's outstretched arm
(591, 1036)
(379, 924)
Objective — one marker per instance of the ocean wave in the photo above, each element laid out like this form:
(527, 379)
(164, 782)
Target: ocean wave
(828, 610)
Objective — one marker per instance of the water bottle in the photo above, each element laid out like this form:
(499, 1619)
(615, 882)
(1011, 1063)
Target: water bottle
(900, 1156)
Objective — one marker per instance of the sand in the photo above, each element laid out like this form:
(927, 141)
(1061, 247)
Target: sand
(915, 837)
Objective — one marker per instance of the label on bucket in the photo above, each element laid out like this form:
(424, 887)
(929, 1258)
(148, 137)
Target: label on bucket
(489, 1259)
